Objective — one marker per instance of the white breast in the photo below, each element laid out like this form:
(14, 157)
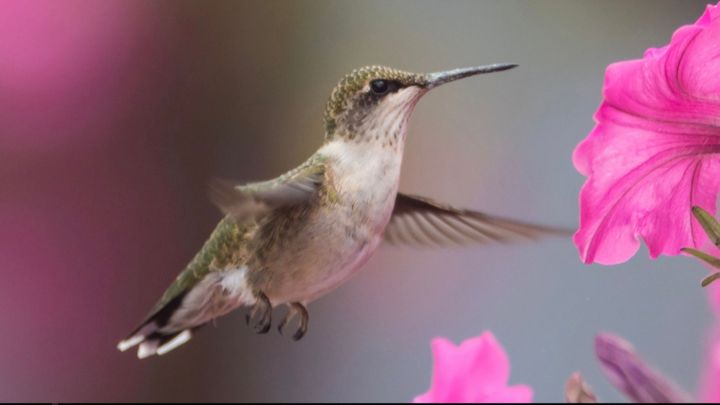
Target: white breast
(365, 179)
(366, 175)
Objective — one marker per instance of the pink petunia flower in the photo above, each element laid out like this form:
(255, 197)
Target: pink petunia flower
(476, 371)
(640, 383)
(655, 151)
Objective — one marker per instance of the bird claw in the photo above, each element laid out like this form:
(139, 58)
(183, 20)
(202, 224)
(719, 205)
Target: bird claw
(263, 307)
(296, 308)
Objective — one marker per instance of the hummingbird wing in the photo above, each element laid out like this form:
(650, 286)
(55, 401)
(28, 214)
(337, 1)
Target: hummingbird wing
(250, 201)
(421, 221)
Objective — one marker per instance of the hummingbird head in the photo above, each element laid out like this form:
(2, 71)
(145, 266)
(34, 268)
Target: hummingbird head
(375, 102)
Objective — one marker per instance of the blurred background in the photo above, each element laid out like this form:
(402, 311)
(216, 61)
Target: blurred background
(114, 115)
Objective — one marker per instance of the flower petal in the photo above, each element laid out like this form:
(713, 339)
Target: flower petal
(475, 371)
(631, 375)
(655, 151)
(514, 394)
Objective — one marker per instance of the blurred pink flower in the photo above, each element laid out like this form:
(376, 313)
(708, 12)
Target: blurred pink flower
(476, 371)
(68, 67)
(639, 382)
(629, 373)
(654, 151)
(710, 379)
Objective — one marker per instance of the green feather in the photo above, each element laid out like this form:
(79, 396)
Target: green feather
(219, 249)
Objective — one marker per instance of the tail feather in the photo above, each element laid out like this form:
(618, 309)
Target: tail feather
(173, 321)
(147, 349)
(152, 337)
(130, 342)
(151, 341)
(177, 341)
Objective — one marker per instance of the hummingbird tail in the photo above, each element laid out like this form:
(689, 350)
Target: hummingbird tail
(172, 323)
(151, 341)
(153, 335)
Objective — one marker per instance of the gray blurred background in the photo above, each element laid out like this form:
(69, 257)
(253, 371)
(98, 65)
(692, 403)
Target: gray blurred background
(116, 114)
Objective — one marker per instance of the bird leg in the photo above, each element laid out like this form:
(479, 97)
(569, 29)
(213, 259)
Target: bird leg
(263, 308)
(296, 308)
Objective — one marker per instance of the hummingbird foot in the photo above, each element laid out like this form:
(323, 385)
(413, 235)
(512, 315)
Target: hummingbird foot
(294, 309)
(263, 308)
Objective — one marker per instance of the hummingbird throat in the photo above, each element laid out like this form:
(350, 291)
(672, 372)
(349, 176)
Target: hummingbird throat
(379, 121)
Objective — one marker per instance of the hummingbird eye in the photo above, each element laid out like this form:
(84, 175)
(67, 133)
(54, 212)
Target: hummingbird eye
(379, 86)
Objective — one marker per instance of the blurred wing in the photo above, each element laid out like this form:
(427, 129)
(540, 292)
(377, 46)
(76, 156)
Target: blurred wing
(244, 203)
(421, 221)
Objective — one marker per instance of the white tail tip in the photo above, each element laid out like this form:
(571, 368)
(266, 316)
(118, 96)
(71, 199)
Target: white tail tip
(178, 340)
(147, 349)
(128, 343)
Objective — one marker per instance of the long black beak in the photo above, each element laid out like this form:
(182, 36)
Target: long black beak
(438, 78)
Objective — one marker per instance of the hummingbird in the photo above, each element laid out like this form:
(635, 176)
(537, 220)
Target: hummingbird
(292, 239)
